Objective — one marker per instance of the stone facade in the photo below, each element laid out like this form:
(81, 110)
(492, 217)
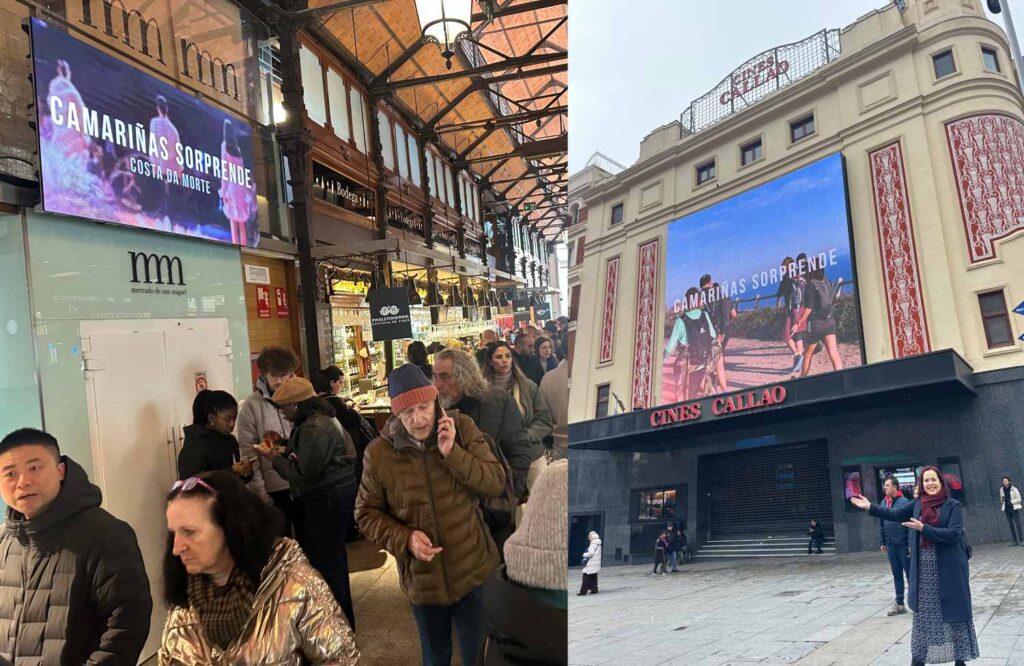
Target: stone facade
(935, 169)
(879, 98)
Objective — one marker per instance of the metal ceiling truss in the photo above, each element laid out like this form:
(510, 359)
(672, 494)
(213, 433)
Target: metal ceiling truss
(520, 8)
(555, 145)
(516, 63)
(503, 121)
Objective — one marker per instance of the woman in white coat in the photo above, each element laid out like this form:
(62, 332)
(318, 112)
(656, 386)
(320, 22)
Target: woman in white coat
(591, 565)
(1010, 503)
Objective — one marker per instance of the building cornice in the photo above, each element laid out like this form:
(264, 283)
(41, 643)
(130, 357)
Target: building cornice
(931, 103)
(908, 39)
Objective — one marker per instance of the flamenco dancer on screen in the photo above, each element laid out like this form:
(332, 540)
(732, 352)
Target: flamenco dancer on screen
(236, 200)
(161, 127)
(71, 167)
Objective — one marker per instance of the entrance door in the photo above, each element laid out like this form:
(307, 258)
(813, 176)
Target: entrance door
(580, 527)
(138, 399)
(770, 492)
(197, 350)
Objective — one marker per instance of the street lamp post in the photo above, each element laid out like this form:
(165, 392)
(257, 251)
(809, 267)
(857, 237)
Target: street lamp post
(1003, 7)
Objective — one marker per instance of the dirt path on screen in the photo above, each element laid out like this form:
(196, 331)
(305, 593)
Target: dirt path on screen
(750, 363)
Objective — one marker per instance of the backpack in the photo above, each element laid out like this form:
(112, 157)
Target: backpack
(826, 294)
(698, 337)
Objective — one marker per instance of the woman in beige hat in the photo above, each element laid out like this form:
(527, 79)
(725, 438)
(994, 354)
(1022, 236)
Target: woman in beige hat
(319, 464)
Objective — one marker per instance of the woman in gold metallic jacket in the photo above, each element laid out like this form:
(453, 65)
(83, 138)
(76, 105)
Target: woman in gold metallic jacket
(237, 591)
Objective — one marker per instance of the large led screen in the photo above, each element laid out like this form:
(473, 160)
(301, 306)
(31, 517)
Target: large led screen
(121, 146)
(761, 288)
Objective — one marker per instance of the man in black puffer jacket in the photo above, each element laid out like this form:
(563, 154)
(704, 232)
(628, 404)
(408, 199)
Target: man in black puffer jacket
(73, 588)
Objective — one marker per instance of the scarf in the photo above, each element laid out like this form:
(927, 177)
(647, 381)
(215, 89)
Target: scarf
(222, 611)
(509, 384)
(504, 382)
(930, 505)
(890, 500)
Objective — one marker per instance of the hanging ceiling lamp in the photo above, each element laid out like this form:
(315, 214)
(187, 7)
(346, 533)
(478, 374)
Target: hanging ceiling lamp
(470, 297)
(444, 22)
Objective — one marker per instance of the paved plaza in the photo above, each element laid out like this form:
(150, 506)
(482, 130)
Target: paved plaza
(816, 611)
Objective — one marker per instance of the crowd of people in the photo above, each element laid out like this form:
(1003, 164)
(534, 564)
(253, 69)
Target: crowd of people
(465, 486)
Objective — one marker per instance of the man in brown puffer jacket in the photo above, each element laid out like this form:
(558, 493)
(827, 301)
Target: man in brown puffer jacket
(420, 499)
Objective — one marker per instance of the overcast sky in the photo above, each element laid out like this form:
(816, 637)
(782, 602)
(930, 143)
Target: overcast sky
(634, 65)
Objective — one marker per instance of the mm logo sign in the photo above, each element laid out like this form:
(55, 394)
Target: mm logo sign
(156, 269)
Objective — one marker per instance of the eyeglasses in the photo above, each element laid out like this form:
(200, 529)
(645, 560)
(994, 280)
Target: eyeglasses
(190, 484)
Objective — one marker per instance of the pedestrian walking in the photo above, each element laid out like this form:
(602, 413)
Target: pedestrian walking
(417, 355)
(591, 565)
(525, 600)
(555, 390)
(238, 591)
(544, 350)
(461, 386)
(660, 550)
(209, 444)
(525, 356)
(940, 589)
(74, 586)
(895, 542)
(1010, 503)
(676, 546)
(816, 535)
(319, 466)
(423, 480)
(358, 427)
(259, 418)
(502, 373)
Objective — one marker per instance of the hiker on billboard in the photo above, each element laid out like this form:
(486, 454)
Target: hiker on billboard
(693, 343)
(722, 311)
(791, 296)
(819, 316)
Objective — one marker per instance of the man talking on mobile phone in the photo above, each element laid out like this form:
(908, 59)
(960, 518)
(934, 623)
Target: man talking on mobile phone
(423, 480)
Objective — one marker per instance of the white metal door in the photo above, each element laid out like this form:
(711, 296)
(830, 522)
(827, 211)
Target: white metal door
(130, 419)
(196, 350)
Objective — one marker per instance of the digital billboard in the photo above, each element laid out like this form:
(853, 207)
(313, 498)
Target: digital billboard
(761, 288)
(121, 146)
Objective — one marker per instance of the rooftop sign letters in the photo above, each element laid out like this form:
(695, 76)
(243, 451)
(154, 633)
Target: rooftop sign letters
(759, 77)
(762, 73)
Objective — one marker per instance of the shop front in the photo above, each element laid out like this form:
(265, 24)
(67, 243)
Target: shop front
(128, 326)
(760, 464)
(441, 313)
(271, 304)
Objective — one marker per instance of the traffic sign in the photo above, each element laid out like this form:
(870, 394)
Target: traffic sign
(1020, 308)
